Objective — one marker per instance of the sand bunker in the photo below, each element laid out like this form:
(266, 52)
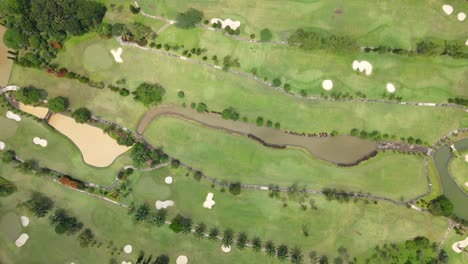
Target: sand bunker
(182, 260)
(11, 115)
(163, 204)
(128, 249)
(22, 239)
(98, 149)
(459, 246)
(362, 66)
(461, 16)
(466, 184)
(466, 157)
(2, 145)
(10, 88)
(116, 53)
(209, 202)
(227, 22)
(448, 9)
(226, 249)
(24, 221)
(327, 85)
(390, 88)
(125, 262)
(40, 112)
(39, 141)
(168, 180)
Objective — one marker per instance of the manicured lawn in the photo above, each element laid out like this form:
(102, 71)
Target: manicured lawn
(109, 223)
(371, 22)
(458, 168)
(355, 226)
(232, 158)
(60, 154)
(220, 90)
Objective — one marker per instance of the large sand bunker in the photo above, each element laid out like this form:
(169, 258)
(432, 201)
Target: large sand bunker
(448, 9)
(98, 149)
(13, 116)
(182, 260)
(22, 239)
(117, 53)
(362, 66)
(163, 204)
(39, 141)
(459, 246)
(227, 22)
(209, 202)
(37, 111)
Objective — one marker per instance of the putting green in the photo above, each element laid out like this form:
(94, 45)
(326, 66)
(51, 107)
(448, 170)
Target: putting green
(10, 226)
(96, 58)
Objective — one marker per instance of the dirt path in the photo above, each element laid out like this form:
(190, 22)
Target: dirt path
(5, 64)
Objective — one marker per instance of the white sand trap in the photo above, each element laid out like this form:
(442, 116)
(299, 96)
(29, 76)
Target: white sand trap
(164, 204)
(363, 66)
(40, 112)
(461, 16)
(22, 239)
(128, 249)
(226, 249)
(2, 145)
(466, 184)
(125, 262)
(10, 88)
(98, 149)
(116, 53)
(24, 221)
(459, 246)
(227, 22)
(466, 157)
(11, 115)
(448, 9)
(466, 42)
(209, 202)
(327, 85)
(168, 180)
(182, 260)
(390, 88)
(39, 141)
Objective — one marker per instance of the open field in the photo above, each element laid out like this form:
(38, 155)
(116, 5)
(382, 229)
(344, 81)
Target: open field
(109, 223)
(458, 168)
(220, 90)
(414, 76)
(373, 23)
(60, 154)
(251, 163)
(357, 227)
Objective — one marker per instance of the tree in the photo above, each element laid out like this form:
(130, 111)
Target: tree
(270, 248)
(181, 94)
(228, 237)
(181, 224)
(441, 206)
(64, 223)
(81, 115)
(134, 10)
(142, 213)
(149, 94)
(8, 156)
(296, 256)
(13, 39)
(256, 244)
(214, 232)
(6, 187)
(86, 237)
(282, 252)
(265, 35)
(58, 104)
(235, 188)
(189, 18)
(259, 121)
(229, 62)
(39, 204)
(241, 240)
(142, 156)
(200, 230)
(162, 259)
(276, 82)
(30, 95)
(201, 107)
(159, 218)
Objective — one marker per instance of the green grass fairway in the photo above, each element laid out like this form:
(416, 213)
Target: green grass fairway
(458, 168)
(220, 90)
(96, 58)
(455, 258)
(250, 162)
(9, 126)
(60, 154)
(10, 225)
(372, 22)
(357, 227)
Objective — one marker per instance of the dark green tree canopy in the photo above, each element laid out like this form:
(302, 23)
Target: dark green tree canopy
(58, 104)
(441, 206)
(189, 18)
(30, 95)
(81, 115)
(149, 93)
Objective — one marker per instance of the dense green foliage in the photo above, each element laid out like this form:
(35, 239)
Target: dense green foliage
(86, 238)
(6, 187)
(39, 26)
(39, 204)
(122, 137)
(229, 62)
(235, 188)
(460, 101)
(230, 113)
(189, 18)
(30, 95)
(441, 206)
(313, 41)
(138, 33)
(65, 223)
(181, 224)
(144, 156)
(57, 104)
(81, 115)
(149, 93)
(266, 35)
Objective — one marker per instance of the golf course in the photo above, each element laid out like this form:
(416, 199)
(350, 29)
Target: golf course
(279, 131)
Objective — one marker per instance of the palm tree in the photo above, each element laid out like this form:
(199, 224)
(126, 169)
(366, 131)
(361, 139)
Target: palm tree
(296, 256)
(228, 237)
(282, 252)
(270, 248)
(200, 230)
(256, 244)
(241, 240)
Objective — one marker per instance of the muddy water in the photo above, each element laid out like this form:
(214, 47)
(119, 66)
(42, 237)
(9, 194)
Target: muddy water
(5, 64)
(340, 149)
(98, 149)
(37, 111)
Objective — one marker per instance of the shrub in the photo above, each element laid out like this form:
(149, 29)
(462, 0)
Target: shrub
(269, 123)
(259, 121)
(58, 104)
(287, 87)
(235, 188)
(201, 107)
(276, 82)
(230, 113)
(181, 94)
(134, 10)
(197, 175)
(124, 92)
(81, 115)
(252, 36)
(277, 125)
(265, 35)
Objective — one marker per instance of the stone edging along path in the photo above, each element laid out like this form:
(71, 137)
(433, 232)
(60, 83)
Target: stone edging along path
(270, 85)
